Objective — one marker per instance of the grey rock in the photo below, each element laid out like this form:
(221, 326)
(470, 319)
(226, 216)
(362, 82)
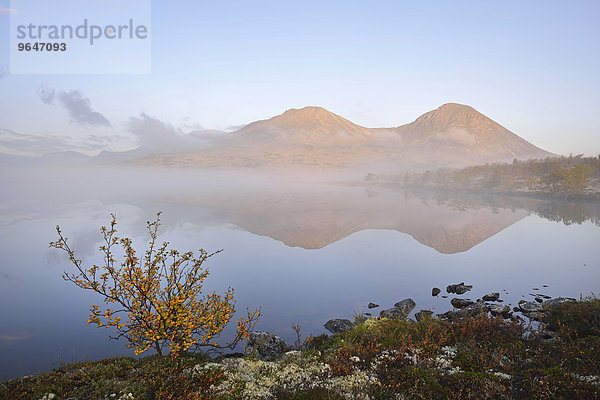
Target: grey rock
(502, 311)
(406, 306)
(338, 325)
(491, 297)
(264, 346)
(527, 307)
(467, 312)
(534, 311)
(435, 291)
(372, 305)
(458, 288)
(557, 301)
(423, 315)
(400, 310)
(460, 303)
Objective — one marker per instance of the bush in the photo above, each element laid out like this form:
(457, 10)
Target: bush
(160, 293)
(576, 319)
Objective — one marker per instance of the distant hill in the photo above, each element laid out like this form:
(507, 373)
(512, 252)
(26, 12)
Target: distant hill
(453, 135)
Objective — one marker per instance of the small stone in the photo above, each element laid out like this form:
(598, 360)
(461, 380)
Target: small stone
(435, 291)
(338, 325)
(458, 288)
(461, 303)
(372, 305)
(539, 300)
(368, 314)
(491, 297)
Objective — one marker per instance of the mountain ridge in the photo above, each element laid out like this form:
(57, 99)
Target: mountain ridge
(453, 135)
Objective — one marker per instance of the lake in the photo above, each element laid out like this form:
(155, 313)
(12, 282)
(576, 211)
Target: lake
(304, 251)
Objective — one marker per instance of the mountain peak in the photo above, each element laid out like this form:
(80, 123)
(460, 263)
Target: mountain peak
(453, 115)
(454, 128)
(309, 114)
(311, 123)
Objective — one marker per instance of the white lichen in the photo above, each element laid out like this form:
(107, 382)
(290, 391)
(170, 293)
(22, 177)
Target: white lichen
(256, 379)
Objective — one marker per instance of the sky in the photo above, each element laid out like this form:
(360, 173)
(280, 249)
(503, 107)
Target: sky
(531, 66)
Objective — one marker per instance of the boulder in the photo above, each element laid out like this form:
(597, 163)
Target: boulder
(406, 305)
(491, 297)
(458, 288)
(527, 307)
(435, 291)
(372, 305)
(460, 303)
(469, 311)
(400, 310)
(423, 315)
(338, 325)
(532, 310)
(264, 346)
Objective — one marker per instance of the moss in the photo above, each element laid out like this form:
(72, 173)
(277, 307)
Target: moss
(575, 319)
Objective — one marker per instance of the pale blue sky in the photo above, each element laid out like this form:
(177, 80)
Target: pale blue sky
(532, 66)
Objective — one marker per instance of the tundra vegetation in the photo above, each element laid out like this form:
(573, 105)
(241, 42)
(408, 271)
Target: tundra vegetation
(473, 358)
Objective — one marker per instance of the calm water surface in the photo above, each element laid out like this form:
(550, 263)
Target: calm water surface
(305, 253)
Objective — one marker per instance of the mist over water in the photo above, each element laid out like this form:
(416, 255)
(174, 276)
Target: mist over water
(304, 249)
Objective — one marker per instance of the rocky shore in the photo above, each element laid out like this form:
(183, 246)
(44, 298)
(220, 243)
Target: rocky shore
(480, 348)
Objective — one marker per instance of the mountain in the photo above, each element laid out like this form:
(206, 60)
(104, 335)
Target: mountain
(308, 125)
(459, 134)
(452, 135)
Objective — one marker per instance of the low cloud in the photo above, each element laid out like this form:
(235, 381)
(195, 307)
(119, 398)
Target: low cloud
(15, 143)
(79, 107)
(154, 134)
(457, 136)
(233, 128)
